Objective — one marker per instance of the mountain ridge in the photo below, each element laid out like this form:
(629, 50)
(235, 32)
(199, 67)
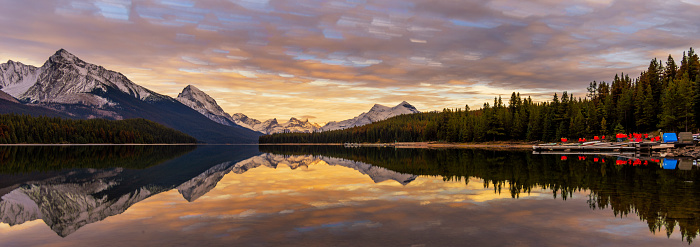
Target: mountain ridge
(376, 113)
(200, 101)
(70, 86)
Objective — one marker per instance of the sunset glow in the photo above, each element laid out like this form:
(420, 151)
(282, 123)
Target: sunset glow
(331, 60)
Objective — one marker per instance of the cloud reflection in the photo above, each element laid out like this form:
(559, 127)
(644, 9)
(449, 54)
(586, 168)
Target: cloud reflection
(306, 200)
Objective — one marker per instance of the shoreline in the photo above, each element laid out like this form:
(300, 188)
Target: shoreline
(487, 145)
(497, 145)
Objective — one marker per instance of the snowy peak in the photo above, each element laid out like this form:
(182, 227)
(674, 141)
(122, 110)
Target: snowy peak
(376, 113)
(243, 120)
(200, 101)
(378, 107)
(272, 126)
(63, 56)
(66, 79)
(407, 106)
(16, 77)
(193, 93)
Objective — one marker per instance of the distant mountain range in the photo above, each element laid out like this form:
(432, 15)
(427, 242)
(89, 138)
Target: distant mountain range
(377, 113)
(207, 106)
(66, 86)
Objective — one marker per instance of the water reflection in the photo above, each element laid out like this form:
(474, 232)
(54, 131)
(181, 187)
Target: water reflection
(72, 197)
(661, 195)
(69, 199)
(283, 195)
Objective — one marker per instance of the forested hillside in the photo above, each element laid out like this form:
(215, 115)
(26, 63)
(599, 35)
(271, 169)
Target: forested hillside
(27, 129)
(666, 96)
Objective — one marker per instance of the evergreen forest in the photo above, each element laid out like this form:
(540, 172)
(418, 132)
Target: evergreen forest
(16, 129)
(664, 97)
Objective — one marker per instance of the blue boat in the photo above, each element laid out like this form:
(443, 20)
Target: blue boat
(670, 138)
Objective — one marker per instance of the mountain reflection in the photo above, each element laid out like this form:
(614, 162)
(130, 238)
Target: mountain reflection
(70, 187)
(71, 198)
(662, 198)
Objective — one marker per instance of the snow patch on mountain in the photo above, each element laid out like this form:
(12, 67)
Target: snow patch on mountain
(377, 113)
(16, 78)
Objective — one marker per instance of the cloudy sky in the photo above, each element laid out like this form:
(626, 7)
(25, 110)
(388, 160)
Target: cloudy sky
(331, 60)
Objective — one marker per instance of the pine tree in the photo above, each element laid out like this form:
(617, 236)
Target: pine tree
(669, 105)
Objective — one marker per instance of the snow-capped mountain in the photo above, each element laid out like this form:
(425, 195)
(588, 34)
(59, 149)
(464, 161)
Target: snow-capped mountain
(67, 79)
(16, 78)
(207, 106)
(377, 113)
(272, 126)
(297, 125)
(72, 87)
(243, 120)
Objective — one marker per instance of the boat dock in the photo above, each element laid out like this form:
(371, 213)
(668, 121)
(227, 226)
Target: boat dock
(608, 147)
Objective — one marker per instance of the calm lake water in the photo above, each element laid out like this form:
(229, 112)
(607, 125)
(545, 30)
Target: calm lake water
(335, 196)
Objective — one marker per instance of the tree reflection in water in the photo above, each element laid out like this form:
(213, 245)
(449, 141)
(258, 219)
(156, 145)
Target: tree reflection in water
(662, 198)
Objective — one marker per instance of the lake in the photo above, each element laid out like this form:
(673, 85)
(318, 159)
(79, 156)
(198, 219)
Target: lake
(253, 195)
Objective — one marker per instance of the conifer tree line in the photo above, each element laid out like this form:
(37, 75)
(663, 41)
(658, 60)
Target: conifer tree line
(16, 128)
(664, 97)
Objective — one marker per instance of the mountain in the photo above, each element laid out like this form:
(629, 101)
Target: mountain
(9, 104)
(206, 105)
(243, 120)
(16, 78)
(73, 87)
(272, 126)
(377, 113)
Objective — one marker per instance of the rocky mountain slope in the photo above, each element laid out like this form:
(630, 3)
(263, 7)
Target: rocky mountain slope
(73, 87)
(206, 105)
